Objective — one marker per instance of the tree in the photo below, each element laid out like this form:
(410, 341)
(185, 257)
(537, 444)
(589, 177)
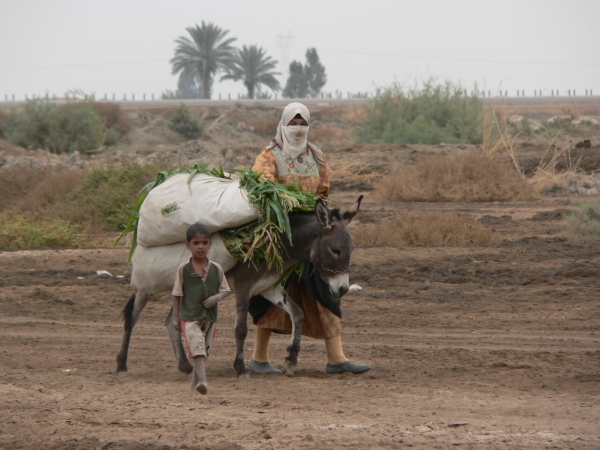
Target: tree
(306, 80)
(314, 72)
(296, 86)
(204, 55)
(251, 66)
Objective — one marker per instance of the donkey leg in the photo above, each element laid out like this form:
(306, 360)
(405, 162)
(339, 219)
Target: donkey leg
(183, 365)
(297, 317)
(241, 331)
(131, 313)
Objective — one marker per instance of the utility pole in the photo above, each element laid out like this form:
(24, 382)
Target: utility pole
(285, 43)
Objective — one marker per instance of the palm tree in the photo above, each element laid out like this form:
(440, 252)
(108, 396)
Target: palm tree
(205, 54)
(251, 66)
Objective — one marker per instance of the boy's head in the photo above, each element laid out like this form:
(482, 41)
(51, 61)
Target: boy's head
(195, 229)
(198, 240)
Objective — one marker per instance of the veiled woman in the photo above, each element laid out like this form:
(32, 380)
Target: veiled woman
(290, 158)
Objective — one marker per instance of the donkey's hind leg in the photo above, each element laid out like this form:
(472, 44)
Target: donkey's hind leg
(183, 364)
(297, 317)
(131, 313)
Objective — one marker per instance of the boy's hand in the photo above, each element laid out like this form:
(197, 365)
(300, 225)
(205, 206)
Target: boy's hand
(211, 301)
(177, 324)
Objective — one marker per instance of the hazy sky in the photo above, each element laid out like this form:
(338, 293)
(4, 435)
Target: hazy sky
(124, 47)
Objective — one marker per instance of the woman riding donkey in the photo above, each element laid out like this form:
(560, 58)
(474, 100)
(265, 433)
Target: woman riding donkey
(290, 158)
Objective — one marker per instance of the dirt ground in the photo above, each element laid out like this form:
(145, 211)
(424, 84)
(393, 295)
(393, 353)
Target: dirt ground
(481, 347)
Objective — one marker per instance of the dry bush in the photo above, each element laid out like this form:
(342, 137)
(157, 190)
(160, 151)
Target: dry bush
(570, 110)
(471, 177)
(424, 228)
(50, 190)
(3, 121)
(114, 116)
(354, 114)
(15, 184)
(329, 134)
(347, 171)
(30, 189)
(266, 126)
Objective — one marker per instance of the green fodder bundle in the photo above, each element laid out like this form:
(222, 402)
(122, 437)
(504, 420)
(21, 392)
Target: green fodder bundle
(424, 228)
(584, 221)
(21, 232)
(434, 114)
(471, 177)
(260, 240)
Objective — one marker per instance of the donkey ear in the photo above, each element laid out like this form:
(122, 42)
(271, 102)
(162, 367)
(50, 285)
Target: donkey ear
(323, 215)
(349, 215)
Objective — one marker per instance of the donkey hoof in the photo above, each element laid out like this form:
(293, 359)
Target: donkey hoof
(121, 374)
(244, 375)
(288, 369)
(185, 368)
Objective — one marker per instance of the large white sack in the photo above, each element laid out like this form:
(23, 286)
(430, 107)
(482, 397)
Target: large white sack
(173, 206)
(154, 268)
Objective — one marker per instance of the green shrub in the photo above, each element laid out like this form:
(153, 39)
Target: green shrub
(186, 122)
(81, 128)
(98, 201)
(35, 126)
(67, 128)
(434, 114)
(584, 221)
(17, 231)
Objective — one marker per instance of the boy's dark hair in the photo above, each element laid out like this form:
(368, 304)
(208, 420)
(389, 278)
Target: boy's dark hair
(195, 229)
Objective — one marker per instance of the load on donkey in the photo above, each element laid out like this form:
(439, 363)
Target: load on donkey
(262, 233)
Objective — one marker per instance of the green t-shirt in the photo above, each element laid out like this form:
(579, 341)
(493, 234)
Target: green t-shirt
(195, 291)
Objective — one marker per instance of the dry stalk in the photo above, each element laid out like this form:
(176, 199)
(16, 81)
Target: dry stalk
(347, 171)
(546, 174)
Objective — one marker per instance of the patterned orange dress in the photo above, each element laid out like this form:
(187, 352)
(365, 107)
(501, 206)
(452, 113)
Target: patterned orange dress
(312, 176)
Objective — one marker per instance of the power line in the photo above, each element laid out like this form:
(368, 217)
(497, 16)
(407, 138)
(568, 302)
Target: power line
(488, 61)
(77, 66)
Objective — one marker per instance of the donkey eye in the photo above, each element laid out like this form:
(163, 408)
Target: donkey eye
(335, 251)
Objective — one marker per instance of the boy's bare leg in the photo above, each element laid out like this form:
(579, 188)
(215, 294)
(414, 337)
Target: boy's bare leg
(199, 382)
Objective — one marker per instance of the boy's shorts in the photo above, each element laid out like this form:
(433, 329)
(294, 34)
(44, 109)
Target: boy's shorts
(197, 337)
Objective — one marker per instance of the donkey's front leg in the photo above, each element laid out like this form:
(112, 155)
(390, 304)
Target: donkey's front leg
(241, 331)
(297, 317)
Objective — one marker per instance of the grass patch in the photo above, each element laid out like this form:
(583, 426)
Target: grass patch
(584, 221)
(472, 177)
(424, 228)
(434, 114)
(21, 232)
(186, 122)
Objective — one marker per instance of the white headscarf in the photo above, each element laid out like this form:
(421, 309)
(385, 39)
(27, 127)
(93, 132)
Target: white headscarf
(293, 139)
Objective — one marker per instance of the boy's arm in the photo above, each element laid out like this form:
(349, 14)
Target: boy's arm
(224, 291)
(177, 294)
(176, 319)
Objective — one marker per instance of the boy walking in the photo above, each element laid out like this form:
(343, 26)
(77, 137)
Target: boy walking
(199, 285)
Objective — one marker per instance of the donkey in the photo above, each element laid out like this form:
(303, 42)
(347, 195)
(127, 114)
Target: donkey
(321, 237)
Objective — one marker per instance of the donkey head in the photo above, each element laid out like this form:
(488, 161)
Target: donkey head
(332, 250)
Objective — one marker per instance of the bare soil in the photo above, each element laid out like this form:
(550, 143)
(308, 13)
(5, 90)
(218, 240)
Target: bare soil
(472, 347)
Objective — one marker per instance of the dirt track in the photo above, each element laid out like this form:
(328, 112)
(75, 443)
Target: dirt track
(486, 347)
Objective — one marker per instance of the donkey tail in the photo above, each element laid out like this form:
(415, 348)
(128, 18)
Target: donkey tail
(127, 313)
